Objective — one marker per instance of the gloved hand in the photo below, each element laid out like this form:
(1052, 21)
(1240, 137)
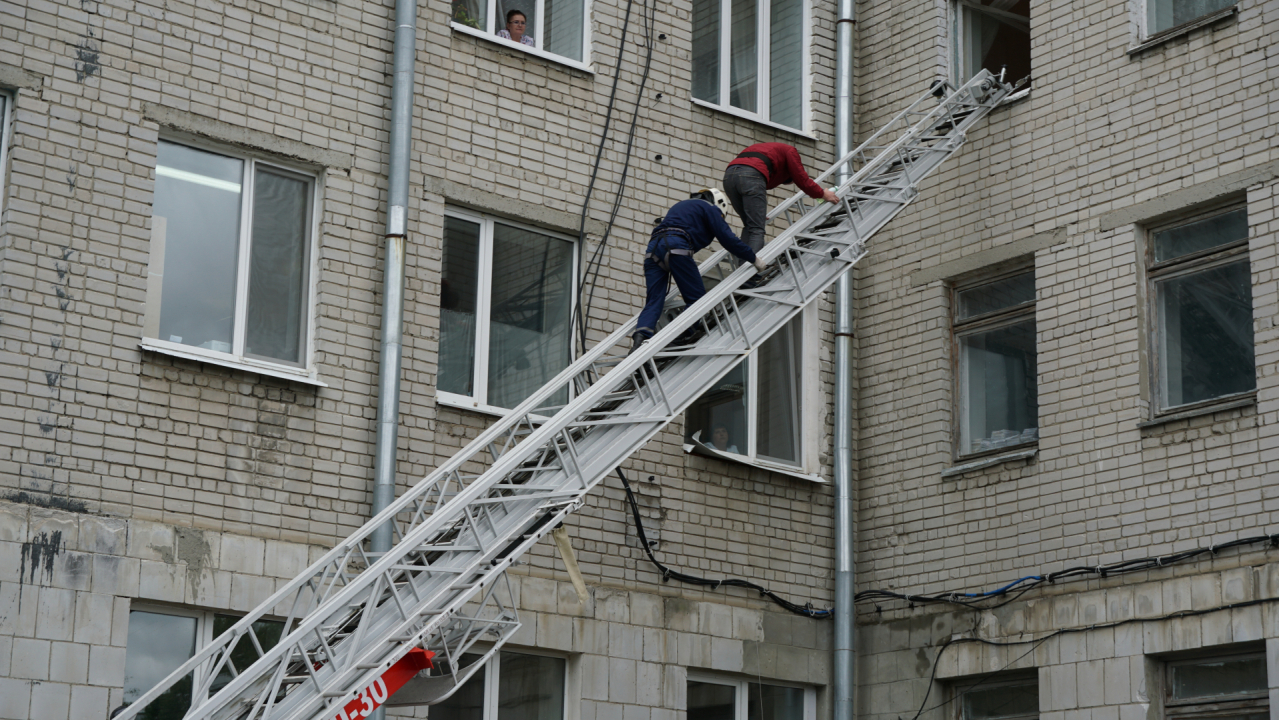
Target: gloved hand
(760, 265)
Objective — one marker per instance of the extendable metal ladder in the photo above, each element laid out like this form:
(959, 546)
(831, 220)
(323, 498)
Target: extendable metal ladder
(354, 613)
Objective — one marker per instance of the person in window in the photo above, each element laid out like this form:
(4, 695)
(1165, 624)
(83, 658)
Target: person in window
(719, 440)
(516, 22)
(758, 169)
(689, 226)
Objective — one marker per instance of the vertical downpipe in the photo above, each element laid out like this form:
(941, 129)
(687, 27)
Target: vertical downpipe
(845, 650)
(389, 367)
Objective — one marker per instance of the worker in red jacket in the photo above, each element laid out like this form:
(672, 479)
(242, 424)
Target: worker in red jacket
(758, 169)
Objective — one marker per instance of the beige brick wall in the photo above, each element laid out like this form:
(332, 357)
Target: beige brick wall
(1103, 142)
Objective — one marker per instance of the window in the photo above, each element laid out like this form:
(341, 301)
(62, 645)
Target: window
(992, 34)
(1232, 687)
(750, 58)
(994, 325)
(6, 101)
(506, 301)
(999, 700)
(513, 686)
(754, 410)
(1201, 290)
(230, 275)
(557, 27)
(714, 698)
(1167, 14)
(162, 639)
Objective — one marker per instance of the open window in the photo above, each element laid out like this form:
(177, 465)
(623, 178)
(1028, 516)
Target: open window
(506, 301)
(1200, 289)
(230, 278)
(556, 27)
(750, 58)
(991, 34)
(996, 371)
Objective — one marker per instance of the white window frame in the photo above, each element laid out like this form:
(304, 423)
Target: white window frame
(1143, 21)
(1210, 707)
(8, 99)
(493, 672)
(742, 689)
(306, 371)
(810, 405)
(1182, 266)
(985, 322)
(763, 12)
(957, 40)
(203, 623)
(479, 399)
(584, 64)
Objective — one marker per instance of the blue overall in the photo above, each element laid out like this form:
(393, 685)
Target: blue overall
(688, 227)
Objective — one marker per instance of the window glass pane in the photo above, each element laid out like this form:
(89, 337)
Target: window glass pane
(527, 7)
(530, 687)
(770, 702)
(276, 317)
(468, 702)
(1206, 334)
(1218, 678)
(158, 644)
(564, 24)
(996, 34)
(1201, 235)
(786, 60)
(1166, 14)
(709, 701)
(998, 295)
(998, 393)
(720, 413)
(529, 320)
(244, 654)
(1008, 701)
(459, 288)
(198, 195)
(706, 50)
(471, 13)
(777, 412)
(744, 64)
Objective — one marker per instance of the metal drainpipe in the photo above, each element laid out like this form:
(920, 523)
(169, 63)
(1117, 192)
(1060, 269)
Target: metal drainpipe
(389, 367)
(845, 651)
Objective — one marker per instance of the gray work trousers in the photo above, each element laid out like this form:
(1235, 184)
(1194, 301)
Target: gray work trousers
(748, 192)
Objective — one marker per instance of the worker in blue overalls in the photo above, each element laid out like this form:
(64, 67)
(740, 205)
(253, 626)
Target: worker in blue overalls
(689, 226)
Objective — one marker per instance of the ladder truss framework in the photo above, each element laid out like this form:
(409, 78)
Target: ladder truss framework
(442, 586)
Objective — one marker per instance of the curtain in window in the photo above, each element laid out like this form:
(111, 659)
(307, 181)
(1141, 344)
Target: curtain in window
(459, 290)
(706, 50)
(275, 326)
(786, 58)
(777, 411)
(198, 195)
(743, 67)
(997, 35)
(564, 25)
(529, 318)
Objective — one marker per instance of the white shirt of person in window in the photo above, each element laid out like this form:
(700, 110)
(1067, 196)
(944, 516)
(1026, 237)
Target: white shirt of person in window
(719, 440)
(515, 24)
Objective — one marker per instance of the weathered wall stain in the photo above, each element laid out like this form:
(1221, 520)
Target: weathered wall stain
(50, 501)
(86, 58)
(39, 553)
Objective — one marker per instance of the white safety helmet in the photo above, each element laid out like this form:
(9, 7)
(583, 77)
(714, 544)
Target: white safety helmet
(714, 196)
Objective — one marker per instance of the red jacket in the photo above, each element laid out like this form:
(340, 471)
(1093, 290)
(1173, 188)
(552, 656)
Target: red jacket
(786, 166)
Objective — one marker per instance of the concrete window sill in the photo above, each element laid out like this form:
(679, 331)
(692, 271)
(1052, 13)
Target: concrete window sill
(1240, 402)
(985, 462)
(1170, 34)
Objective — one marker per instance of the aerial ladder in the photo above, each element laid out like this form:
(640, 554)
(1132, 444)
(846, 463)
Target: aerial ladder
(431, 611)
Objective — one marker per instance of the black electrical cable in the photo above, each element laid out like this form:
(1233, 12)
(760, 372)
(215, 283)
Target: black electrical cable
(593, 266)
(668, 574)
(1036, 642)
(1014, 590)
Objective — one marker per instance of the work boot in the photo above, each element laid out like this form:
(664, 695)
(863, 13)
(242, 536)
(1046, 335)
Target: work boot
(639, 337)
